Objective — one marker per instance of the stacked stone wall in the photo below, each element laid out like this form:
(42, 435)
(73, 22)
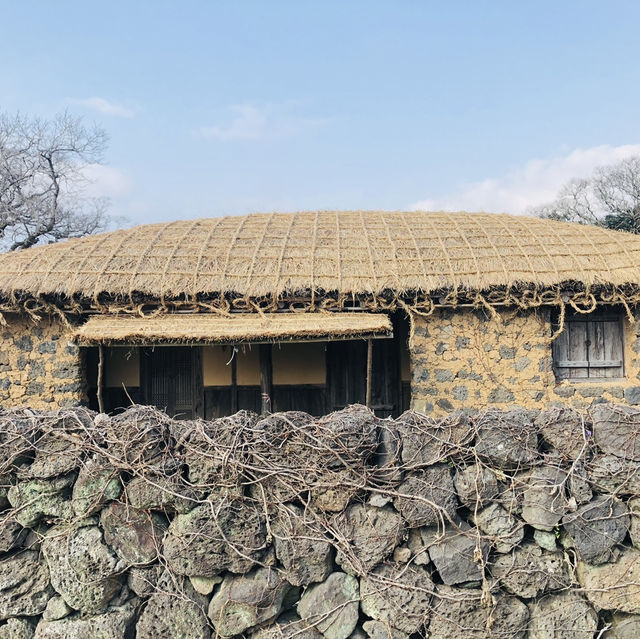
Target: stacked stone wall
(39, 366)
(513, 524)
(465, 359)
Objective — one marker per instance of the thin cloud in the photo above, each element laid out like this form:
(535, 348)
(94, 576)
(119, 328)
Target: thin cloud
(251, 122)
(105, 181)
(106, 107)
(535, 183)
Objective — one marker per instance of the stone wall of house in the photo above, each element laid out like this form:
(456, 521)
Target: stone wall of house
(39, 366)
(469, 359)
(506, 524)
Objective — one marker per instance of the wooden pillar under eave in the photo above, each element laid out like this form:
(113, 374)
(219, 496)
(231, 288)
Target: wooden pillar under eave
(369, 372)
(266, 377)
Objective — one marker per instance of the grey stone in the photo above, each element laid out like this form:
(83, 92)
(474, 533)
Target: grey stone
(634, 528)
(463, 614)
(156, 492)
(460, 393)
(565, 391)
(333, 491)
(475, 484)
(175, 610)
(544, 500)
(12, 534)
(47, 347)
(66, 371)
(17, 629)
(224, 534)
(287, 626)
(596, 527)
(613, 586)
(142, 580)
(458, 554)
(83, 569)
(565, 429)
(420, 490)
(563, 615)
(500, 395)
(24, 585)
(55, 455)
(578, 485)
(97, 483)
(34, 388)
(303, 550)
(632, 395)
(503, 530)
(611, 474)
(57, 608)
(616, 429)
(508, 439)
(40, 498)
(507, 352)
(380, 630)
(522, 363)
(623, 626)
(371, 534)
(392, 588)
(402, 554)
(530, 571)
(426, 441)
(245, 601)
(445, 404)
(205, 585)
(443, 375)
(546, 540)
(136, 536)
(117, 622)
(332, 606)
(23, 343)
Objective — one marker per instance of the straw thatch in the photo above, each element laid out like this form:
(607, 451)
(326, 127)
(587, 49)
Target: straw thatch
(212, 329)
(349, 252)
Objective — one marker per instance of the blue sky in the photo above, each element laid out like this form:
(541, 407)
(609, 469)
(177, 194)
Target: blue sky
(217, 108)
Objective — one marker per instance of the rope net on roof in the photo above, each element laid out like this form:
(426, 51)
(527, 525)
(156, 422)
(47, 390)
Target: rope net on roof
(334, 256)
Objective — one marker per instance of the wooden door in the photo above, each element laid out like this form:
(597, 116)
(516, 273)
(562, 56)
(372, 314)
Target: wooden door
(172, 380)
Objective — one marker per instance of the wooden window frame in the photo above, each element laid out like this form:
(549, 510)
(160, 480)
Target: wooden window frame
(589, 319)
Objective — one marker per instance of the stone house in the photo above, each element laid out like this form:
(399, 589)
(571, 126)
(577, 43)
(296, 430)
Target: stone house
(314, 311)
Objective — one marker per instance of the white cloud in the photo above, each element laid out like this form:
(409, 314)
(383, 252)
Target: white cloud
(105, 181)
(105, 107)
(250, 122)
(535, 183)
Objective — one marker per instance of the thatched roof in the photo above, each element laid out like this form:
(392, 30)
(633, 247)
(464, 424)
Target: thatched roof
(214, 329)
(351, 252)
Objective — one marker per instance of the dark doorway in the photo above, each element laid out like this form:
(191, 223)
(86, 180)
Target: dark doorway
(171, 380)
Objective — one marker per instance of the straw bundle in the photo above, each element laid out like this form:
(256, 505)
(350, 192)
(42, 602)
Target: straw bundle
(213, 329)
(352, 252)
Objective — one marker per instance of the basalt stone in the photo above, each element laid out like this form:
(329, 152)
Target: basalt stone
(380, 630)
(427, 496)
(611, 474)
(287, 626)
(613, 586)
(578, 484)
(460, 613)
(530, 572)
(301, 547)
(175, 610)
(157, 492)
(458, 554)
(565, 429)
(426, 441)
(205, 585)
(57, 608)
(41, 498)
(83, 569)
(596, 527)
(502, 529)
(508, 439)
(245, 601)
(47, 347)
(116, 623)
(544, 500)
(370, 533)
(224, 534)
(98, 482)
(563, 615)
(57, 453)
(332, 606)
(616, 430)
(17, 629)
(475, 485)
(135, 535)
(24, 585)
(12, 534)
(398, 596)
(623, 626)
(23, 343)
(143, 580)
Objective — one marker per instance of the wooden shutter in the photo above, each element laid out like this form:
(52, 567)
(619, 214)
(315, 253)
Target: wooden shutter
(570, 356)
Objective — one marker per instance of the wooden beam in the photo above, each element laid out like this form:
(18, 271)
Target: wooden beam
(234, 380)
(100, 375)
(266, 377)
(369, 371)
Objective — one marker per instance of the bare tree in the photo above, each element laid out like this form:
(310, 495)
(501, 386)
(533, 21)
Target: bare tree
(610, 198)
(43, 180)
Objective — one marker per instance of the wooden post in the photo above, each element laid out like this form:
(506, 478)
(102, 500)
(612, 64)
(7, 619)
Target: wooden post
(369, 371)
(100, 373)
(266, 377)
(234, 380)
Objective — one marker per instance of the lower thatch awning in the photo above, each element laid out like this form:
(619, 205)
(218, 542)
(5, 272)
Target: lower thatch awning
(215, 329)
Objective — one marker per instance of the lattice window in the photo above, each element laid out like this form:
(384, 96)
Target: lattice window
(591, 346)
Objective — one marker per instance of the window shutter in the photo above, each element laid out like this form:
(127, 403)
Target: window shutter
(570, 352)
(605, 349)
